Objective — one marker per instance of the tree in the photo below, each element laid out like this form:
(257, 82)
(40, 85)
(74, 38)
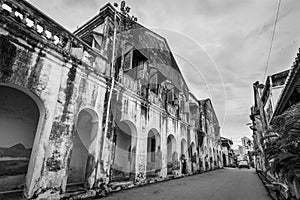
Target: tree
(283, 143)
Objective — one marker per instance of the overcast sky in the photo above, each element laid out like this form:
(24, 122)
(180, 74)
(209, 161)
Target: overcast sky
(220, 45)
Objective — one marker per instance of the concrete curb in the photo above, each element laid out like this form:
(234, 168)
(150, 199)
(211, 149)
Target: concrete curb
(92, 194)
(265, 182)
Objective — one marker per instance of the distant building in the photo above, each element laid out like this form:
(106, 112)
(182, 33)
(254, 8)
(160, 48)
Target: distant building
(227, 151)
(247, 143)
(211, 142)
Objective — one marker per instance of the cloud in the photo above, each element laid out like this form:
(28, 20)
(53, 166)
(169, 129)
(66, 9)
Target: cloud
(221, 46)
(217, 8)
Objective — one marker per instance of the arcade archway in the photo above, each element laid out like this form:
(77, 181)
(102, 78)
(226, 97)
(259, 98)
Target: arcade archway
(124, 156)
(21, 114)
(184, 156)
(193, 156)
(184, 149)
(172, 155)
(154, 154)
(85, 133)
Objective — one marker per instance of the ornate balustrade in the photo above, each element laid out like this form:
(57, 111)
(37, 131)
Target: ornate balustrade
(23, 16)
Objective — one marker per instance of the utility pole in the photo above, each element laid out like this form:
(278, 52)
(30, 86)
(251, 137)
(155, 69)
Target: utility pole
(112, 74)
(123, 13)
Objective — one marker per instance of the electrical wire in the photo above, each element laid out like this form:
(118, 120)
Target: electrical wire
(272, 39)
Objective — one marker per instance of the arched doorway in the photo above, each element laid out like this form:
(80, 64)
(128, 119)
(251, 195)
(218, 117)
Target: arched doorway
(124, 155)
(210, 159)
(214, 159)
(206, 158)
(193, 156)
(172, 156)
(154, 154)
(183, 156)
(224, 160)
(21, 114)
(218, 159)
(184, 148)
(193, 148)
(85, 133)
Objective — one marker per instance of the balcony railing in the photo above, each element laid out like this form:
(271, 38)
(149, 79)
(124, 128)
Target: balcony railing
(129, 83)
(172, 110)
(153, 98)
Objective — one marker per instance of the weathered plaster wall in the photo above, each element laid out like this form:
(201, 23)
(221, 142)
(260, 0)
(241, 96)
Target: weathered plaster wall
(145, 117)
(19, 117)
(64, 79)
(31, 76)
(62, 87)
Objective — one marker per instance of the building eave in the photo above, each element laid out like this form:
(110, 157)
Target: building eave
(289, 88)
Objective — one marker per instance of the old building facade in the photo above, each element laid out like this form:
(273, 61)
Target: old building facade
(265, 101)
(92, 108)
(274, 118)
(227, 152)
(211, 149)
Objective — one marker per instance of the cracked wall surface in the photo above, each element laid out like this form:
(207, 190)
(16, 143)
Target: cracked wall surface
(69, 82)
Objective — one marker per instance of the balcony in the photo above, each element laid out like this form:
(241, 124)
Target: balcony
(129, 83)
(172, 110)
(154, 99)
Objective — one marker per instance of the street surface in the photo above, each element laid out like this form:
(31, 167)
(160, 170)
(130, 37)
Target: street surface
(224, 184)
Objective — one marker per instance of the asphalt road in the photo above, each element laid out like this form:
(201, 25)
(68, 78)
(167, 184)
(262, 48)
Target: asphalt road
(224, 184)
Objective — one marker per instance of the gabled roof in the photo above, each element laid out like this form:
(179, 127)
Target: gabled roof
(107, 10)
(291, 84)
(273, 81)
(150, 44)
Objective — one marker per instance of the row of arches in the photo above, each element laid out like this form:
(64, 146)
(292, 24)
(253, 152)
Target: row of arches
(171, 147)
(212, 158)
(124, 151)
(21, 118)
(186, 151)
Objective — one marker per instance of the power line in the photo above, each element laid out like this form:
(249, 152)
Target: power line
(272, 39)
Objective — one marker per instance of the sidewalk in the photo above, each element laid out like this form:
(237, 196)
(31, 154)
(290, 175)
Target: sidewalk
(274, 190)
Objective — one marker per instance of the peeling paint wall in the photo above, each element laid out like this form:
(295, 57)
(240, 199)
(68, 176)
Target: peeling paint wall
(145, 119)
(212, 148)
(64, 87)
(67, 80)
